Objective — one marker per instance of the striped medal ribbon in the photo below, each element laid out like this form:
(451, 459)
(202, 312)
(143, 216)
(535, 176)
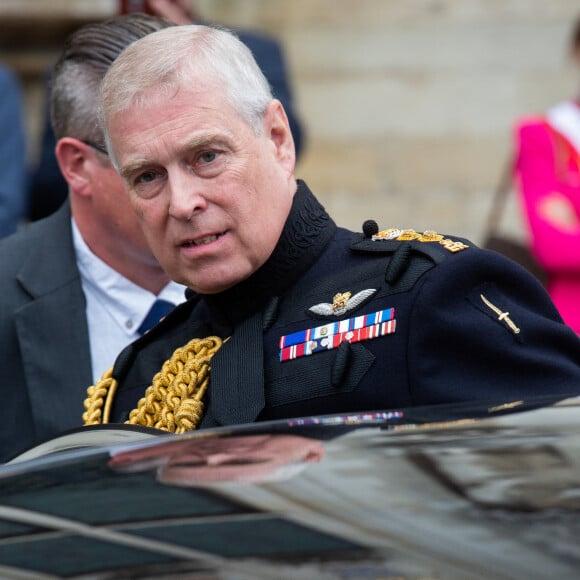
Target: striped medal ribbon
(329, 336)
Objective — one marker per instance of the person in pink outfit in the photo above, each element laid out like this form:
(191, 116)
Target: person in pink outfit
(547, 173)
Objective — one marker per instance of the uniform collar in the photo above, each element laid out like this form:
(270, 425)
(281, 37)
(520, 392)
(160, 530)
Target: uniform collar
(306, 233)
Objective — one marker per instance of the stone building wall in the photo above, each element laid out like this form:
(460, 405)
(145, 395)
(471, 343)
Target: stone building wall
(408, 104)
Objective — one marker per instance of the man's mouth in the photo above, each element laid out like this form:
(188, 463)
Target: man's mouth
(202, 241)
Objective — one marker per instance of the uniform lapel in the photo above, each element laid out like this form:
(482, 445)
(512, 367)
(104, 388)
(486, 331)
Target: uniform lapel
(237, 376)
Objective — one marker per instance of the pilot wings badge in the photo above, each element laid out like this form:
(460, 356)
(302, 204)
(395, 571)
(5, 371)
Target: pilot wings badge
(341, 303)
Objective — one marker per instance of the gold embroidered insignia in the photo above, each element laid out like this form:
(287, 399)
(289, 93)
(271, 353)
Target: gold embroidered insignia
(430, 236)
(453, 246)
(342, 302)
(390, 234)
(409, 235)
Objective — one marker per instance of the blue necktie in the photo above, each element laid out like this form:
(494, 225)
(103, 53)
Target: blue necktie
(159, 309)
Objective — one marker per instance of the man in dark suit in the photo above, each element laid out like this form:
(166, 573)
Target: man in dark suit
(289, 314)
(75, 286)
(12, 154)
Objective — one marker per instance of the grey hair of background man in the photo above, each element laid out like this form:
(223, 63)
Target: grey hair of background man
(86, 56)
(170, 59)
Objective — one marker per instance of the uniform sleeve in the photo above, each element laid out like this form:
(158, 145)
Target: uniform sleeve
(482, 328)
(556, 248)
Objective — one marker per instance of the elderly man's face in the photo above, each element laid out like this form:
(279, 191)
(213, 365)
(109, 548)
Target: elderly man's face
(212, 196)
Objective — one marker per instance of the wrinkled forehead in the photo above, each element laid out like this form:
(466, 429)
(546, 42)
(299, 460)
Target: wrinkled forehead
(195, 105)
(116, 105)
(166, 62)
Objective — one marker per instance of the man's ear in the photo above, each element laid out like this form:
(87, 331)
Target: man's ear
(278, 129)
(74, 159)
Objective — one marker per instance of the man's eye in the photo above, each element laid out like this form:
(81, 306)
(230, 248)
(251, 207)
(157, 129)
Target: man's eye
(208, 156)
(146, 177)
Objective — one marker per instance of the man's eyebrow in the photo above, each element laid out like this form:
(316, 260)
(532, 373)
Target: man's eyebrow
(132, 167)
(201, 141)
(195, 143)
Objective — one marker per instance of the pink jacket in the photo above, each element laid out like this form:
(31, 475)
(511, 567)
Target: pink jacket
(546, 164)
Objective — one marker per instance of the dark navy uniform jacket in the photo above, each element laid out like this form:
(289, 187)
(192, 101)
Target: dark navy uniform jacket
(457, 324)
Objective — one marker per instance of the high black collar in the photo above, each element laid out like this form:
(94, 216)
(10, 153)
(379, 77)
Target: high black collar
(306, 233)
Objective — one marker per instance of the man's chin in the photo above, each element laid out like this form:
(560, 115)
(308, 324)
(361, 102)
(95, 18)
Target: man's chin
(205, 281)
(210, 288)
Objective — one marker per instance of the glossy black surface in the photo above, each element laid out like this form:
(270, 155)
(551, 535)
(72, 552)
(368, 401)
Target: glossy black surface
(486, 491)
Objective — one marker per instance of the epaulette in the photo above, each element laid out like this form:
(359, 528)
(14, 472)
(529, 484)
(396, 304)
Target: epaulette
(411, 253)
(436, 246)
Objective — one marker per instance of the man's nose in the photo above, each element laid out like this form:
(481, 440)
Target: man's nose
(186, 195)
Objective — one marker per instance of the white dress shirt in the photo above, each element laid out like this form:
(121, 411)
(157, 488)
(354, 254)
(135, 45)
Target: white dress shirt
(565, 118)
(116, 307)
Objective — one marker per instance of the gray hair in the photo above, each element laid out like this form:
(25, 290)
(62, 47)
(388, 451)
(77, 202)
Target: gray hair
(87, 55)
(171, 59)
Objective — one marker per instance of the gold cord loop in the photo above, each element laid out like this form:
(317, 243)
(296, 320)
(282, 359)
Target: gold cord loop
(173, 401)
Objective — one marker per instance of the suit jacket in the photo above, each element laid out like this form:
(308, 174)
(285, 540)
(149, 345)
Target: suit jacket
(44, 338)
(12, 154)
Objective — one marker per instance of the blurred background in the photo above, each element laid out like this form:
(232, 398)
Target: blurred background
(407, 105)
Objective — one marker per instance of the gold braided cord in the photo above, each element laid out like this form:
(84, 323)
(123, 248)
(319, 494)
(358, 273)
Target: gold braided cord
(173, 402)
(97, 396)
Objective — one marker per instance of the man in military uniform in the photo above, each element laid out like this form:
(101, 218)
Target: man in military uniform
(288, 314)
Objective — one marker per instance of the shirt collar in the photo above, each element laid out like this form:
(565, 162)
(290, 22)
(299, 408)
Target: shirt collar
(127, 302)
